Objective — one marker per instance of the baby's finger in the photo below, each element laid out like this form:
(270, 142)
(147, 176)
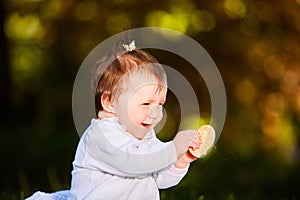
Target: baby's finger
(195, 144)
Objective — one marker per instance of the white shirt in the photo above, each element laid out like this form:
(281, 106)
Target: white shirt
(112, 164)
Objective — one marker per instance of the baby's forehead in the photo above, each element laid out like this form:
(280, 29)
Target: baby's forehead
(149, 90)
(142, 80)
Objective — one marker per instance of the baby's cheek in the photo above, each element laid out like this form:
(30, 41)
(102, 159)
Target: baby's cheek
(138, 118)
(159, 118)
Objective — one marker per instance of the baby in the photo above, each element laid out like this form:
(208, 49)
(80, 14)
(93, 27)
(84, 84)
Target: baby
(119, 155)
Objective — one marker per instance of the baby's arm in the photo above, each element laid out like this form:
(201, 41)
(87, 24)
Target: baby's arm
(103, 148)
(172, 175)
(116, 160)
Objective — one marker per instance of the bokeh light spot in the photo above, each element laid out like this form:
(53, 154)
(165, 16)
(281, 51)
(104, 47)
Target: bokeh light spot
(245, 92)
(117, 22)
(86, 10)
(26, 62)
(23, 27)
(162, 19)
(273, 67)
(53, 9)
(290, 82)
(277, 127)
(202, 20)
(235, 8)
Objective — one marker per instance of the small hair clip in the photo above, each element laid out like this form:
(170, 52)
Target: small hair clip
(129, 47)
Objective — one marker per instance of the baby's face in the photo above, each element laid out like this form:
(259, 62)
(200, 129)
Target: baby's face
(139, 108)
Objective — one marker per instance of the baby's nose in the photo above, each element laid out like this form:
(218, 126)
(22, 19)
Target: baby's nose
(155, 111)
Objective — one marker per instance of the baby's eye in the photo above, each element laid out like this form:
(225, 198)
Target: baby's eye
(146, 104)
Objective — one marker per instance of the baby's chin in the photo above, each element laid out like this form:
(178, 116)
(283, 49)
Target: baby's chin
(141, 131)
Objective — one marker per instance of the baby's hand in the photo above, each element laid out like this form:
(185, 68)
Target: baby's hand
(207, 137)
(200, 146)
(196, 142)
(183, 140)
(187, 157)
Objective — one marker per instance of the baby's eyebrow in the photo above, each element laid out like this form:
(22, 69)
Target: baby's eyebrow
(150, 100)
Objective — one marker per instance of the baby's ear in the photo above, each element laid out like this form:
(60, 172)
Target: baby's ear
(106, 102)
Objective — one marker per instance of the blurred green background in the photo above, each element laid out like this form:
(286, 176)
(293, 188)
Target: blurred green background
(255, 44)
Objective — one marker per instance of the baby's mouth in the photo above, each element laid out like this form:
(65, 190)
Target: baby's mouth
(145, 125)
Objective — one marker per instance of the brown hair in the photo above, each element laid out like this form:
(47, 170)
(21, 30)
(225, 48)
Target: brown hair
(110, 71)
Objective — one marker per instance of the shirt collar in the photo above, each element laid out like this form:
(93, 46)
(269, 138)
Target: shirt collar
(115, 121)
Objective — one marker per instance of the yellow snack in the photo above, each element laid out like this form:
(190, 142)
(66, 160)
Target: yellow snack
(208, 135)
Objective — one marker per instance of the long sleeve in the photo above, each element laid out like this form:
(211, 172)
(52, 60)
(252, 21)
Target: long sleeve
(170, 176)
(104, 148)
